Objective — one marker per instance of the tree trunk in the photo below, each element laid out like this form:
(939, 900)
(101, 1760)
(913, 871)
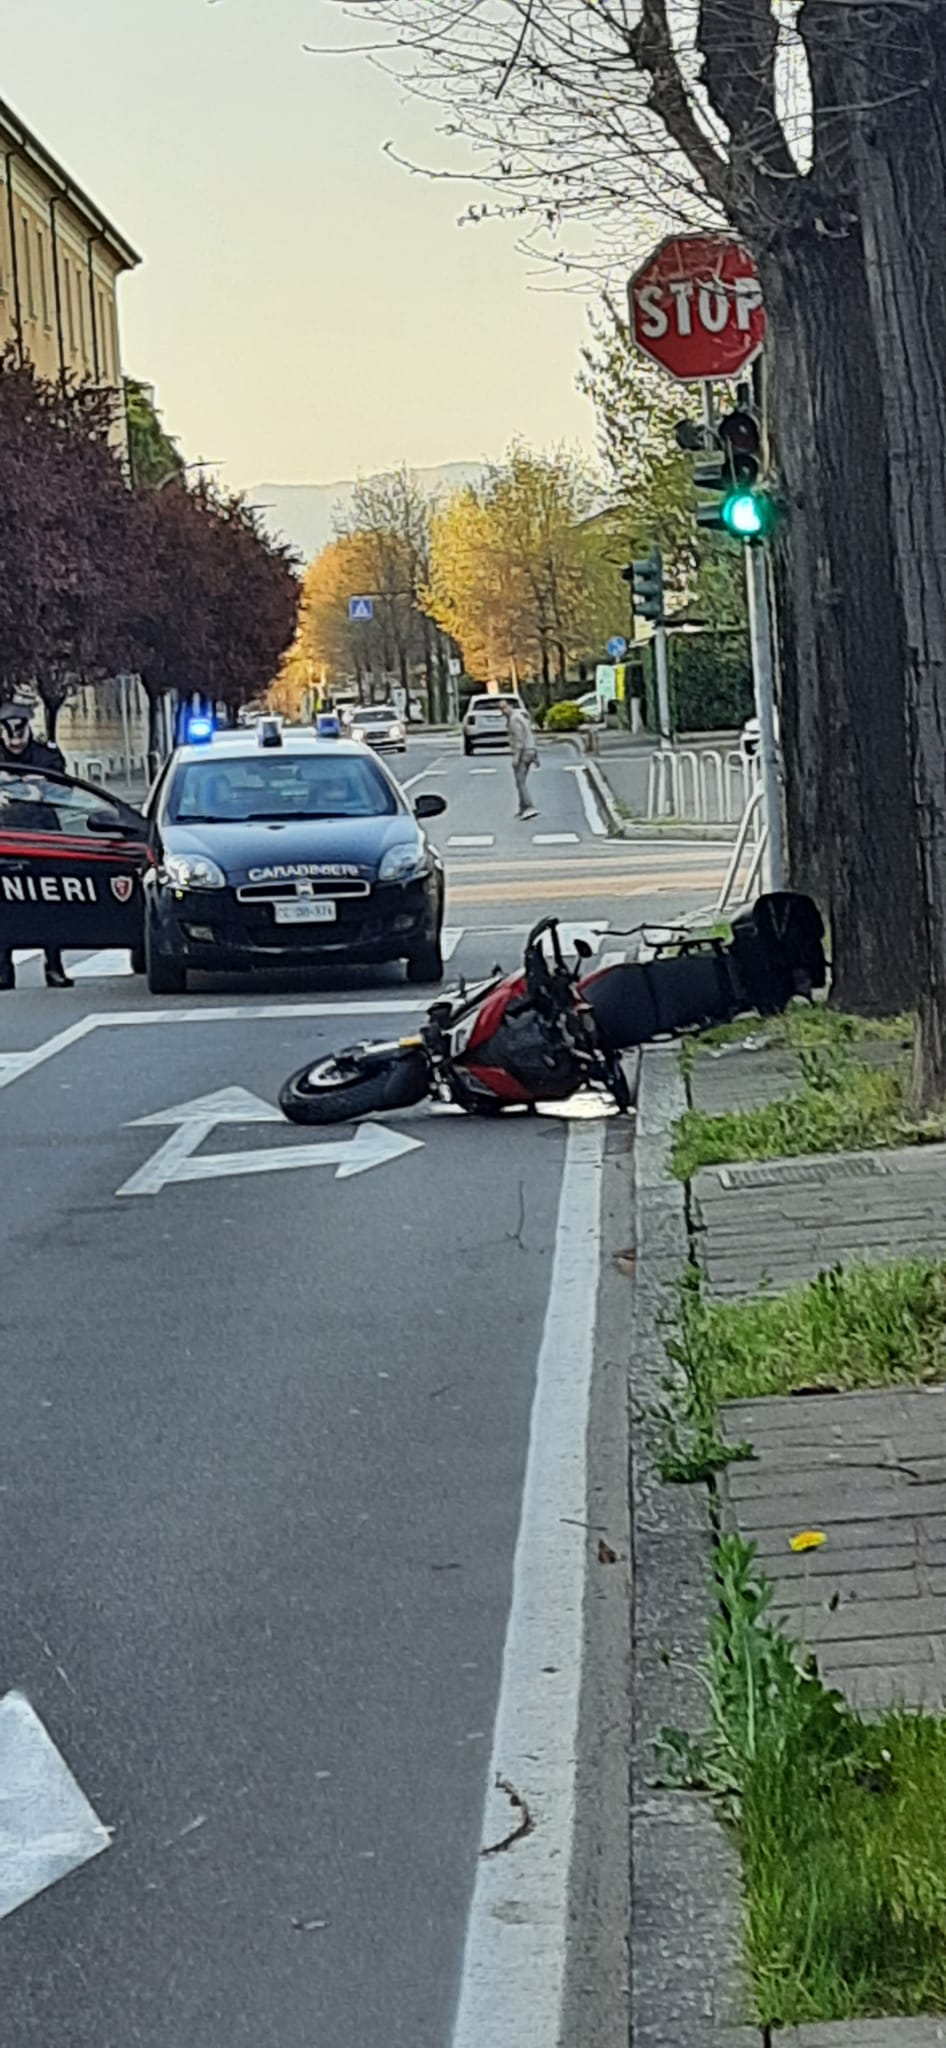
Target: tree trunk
(896, 80)
(546, 676)
(848, 797)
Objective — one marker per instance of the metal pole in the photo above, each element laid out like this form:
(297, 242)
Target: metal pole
(124, 684)
(760, 641)
(663, 683)
(709, 415)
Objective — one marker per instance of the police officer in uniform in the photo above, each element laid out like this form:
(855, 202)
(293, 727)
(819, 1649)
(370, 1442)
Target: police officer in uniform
(19, 749)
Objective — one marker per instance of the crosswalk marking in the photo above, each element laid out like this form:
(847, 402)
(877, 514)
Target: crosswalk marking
(450, 939)
(613, 959)
(473, 839)
(556, 839)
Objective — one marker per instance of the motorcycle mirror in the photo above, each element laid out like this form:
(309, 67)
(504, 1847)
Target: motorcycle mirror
(583, 949)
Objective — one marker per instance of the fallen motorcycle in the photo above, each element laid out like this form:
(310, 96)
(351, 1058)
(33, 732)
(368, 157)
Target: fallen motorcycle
(543, 1034)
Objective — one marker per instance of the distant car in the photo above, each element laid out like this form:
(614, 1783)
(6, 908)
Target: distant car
(278, 849)
(591, 707)
(379, 725)
(485, 722)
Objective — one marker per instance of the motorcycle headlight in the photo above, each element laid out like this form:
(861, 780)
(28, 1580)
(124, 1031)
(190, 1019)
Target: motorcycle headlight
(192, 871)
(403, 864)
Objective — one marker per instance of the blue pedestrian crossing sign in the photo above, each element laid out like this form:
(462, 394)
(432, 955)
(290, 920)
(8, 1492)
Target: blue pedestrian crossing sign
(616, 647)
(361, 609)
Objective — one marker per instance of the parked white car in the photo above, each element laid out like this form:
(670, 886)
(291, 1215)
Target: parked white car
(485, 721)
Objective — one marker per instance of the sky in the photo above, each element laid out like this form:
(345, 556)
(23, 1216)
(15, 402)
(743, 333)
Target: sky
(306, 309)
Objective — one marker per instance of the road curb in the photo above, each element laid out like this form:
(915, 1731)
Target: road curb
(685, 1912)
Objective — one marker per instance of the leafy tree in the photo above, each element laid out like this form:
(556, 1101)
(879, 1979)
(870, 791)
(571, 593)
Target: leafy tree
(64, 535)
(517, 570)
(392, 516)
(212, 607)
(475, 593)
(817, 134)
(153, 458)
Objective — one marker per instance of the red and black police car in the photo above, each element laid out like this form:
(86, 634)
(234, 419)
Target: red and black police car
(262, 848)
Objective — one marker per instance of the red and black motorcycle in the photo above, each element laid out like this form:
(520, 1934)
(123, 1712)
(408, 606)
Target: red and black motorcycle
(541, 1035)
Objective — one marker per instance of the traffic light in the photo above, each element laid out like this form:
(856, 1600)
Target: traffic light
(647, 581)
(745, 509)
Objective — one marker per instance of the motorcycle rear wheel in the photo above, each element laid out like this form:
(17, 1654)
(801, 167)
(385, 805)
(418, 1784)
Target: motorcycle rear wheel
(347, 1085)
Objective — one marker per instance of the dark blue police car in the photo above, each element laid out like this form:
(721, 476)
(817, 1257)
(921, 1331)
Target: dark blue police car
(281, 848)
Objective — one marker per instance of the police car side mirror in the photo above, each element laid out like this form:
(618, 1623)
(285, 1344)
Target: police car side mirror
(111, 825)
(430, 806)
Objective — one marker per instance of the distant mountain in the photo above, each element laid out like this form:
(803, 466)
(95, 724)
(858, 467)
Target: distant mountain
(305, 514)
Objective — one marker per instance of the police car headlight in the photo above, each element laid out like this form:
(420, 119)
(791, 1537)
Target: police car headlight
(403, 864)
(192, 871)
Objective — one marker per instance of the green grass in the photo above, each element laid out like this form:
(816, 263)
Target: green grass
(844, 1105)
(805, 1027)
(841, 1824)
(863, 1326)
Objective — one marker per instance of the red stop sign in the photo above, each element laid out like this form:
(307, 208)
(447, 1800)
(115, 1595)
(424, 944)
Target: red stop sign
(696, 307)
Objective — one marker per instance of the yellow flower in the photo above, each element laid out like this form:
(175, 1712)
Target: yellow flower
(807, 1539)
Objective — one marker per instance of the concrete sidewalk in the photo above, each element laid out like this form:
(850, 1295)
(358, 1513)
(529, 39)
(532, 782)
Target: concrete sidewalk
(867, 1468)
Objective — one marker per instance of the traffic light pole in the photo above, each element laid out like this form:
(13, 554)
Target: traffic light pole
(763, 676)
(662, 666)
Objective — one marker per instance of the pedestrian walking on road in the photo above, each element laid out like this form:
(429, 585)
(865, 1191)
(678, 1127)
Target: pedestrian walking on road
(524, 753)
(19, 749)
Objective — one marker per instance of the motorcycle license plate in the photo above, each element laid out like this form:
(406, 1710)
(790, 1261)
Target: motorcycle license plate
(324, 911)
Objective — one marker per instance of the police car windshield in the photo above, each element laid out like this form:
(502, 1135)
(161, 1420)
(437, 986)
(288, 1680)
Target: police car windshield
(217, 791)
(370, 717)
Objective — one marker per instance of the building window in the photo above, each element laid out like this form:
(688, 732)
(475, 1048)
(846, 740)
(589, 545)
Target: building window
(70, 311)
(28, 280)
(43, 277)
(80, 314)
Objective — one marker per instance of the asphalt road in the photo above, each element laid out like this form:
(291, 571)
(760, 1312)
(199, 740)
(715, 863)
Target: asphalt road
(265, 1453)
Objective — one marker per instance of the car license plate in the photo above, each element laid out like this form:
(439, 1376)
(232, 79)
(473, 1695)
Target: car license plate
(320, 910)
(495, 724)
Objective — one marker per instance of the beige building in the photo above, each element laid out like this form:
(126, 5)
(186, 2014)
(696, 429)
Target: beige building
(60, 262)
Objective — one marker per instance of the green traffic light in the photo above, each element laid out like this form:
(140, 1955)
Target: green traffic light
(745, 515)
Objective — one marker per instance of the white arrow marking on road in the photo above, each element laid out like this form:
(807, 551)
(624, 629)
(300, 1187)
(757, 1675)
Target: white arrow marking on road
(177, 1159)
(193, 1122)
(371, 1146)
(47, 1827)
(225, 1106)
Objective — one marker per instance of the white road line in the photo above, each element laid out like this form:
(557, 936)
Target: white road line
(450, 939)
(101, 966)
(422, 772)
(483, 771)
(596, 824)
(613, 959)
(14, 1065)
(473, 839)
(513, 1976)
(593, 931)
(556, 838)
(49, 1828)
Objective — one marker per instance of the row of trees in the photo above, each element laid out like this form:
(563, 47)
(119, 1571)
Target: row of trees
(102, 573)
(520, 572)
(819, 134)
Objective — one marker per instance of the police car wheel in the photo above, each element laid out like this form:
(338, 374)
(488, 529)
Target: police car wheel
(427, 964)
(165, 977)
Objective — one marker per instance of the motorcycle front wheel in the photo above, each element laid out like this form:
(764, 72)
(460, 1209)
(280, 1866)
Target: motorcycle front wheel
(346, 1085)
